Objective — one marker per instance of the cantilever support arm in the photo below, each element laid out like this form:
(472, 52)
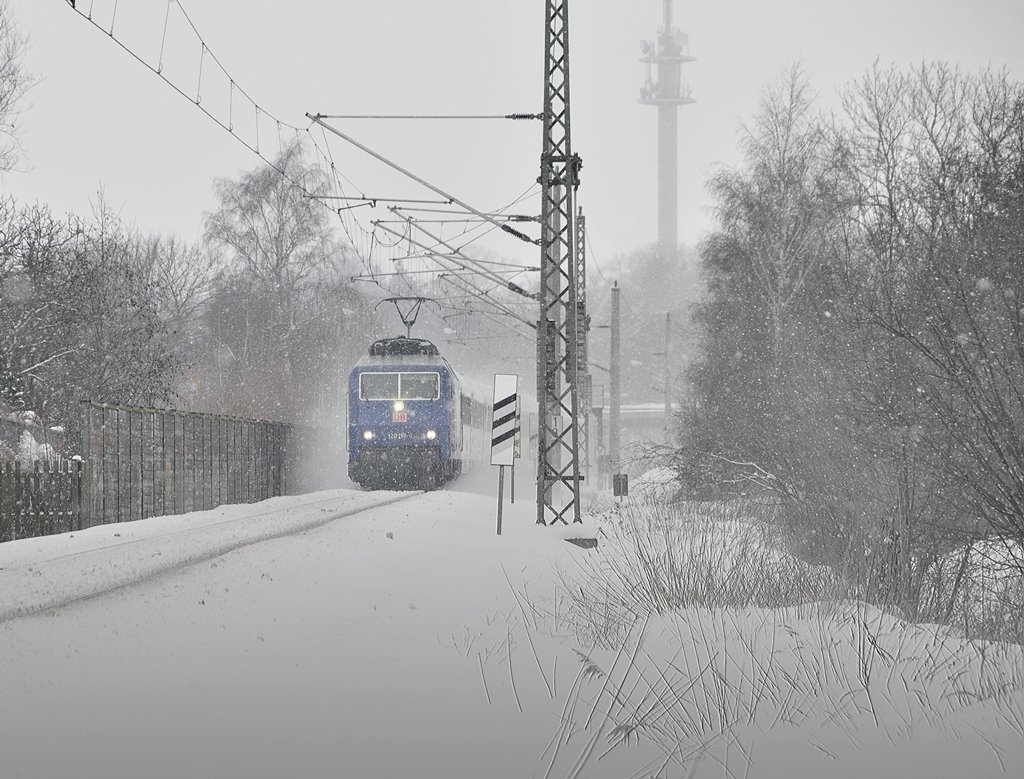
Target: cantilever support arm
(318, 119)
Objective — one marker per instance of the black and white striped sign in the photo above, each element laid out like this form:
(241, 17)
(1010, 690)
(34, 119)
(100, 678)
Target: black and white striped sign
(505, 419)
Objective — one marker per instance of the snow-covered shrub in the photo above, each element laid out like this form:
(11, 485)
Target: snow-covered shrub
(658, 558)
(979, 590)
(31, 451)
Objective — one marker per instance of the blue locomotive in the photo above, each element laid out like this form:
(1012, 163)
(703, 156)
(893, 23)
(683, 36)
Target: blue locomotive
(411, 425)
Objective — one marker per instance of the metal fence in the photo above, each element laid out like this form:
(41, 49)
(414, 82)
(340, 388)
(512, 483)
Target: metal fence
(143, 462)
(40, 500)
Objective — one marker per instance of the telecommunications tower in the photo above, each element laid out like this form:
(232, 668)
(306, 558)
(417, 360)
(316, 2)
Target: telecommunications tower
(666, 89)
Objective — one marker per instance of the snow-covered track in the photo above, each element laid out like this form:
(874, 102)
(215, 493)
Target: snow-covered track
(35, 579)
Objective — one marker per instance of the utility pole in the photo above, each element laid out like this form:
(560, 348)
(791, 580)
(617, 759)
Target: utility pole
(558, 471)
(668, 396)
(615, 389)
(669, 92)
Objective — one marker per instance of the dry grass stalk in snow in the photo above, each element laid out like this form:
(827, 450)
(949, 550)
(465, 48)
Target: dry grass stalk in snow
(700, 648)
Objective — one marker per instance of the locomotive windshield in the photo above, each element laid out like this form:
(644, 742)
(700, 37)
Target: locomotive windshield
(419, 386)
(394, 386)
(378, 386)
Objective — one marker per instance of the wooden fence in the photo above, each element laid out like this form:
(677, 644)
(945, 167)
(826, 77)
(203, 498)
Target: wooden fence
(41, 500)
(142, 462)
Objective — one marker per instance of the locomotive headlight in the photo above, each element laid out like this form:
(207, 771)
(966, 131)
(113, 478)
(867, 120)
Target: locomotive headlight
(367, 435)
(431, 435)
(399, 405)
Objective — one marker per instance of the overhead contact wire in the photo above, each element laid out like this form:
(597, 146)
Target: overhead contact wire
(229, 127)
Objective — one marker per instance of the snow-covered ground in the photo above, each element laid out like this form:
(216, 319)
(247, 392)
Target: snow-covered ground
(298, 638)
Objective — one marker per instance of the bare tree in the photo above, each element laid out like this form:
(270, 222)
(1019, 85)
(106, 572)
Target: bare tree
(950, 299)
(77, 319)
(770, 210)
(15, 82)
(37, 296)
(180, 275)
(270, 229)
(765, 269)
(281, 306)
(863, 336)
(123, 352)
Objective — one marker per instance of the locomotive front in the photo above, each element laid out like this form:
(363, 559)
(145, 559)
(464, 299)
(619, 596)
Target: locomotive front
(403, 417)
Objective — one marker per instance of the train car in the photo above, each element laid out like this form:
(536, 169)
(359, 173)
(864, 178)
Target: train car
(411, 423)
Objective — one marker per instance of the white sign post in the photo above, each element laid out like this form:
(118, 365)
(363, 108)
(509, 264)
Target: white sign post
(504, 428)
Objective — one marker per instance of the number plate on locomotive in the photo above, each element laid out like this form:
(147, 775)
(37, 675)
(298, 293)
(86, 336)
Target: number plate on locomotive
(399, 416)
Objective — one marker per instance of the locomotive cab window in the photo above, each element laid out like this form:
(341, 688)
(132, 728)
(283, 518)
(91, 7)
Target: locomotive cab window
(378, 386)
(420, 386)
(395, 386)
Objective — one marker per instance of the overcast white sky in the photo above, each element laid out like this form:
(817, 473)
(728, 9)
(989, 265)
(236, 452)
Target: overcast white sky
(100, 119)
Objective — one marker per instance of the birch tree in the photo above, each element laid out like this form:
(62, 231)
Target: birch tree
(282, 306)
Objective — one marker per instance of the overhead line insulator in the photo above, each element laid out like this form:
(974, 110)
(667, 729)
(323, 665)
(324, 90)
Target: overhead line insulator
(520, 291)
(519, 235)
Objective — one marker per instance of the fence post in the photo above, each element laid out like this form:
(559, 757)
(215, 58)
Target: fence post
(36, 496)
(18, 502)
(76, 493)
(5, 523)
(89, 453)
(146, 462)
